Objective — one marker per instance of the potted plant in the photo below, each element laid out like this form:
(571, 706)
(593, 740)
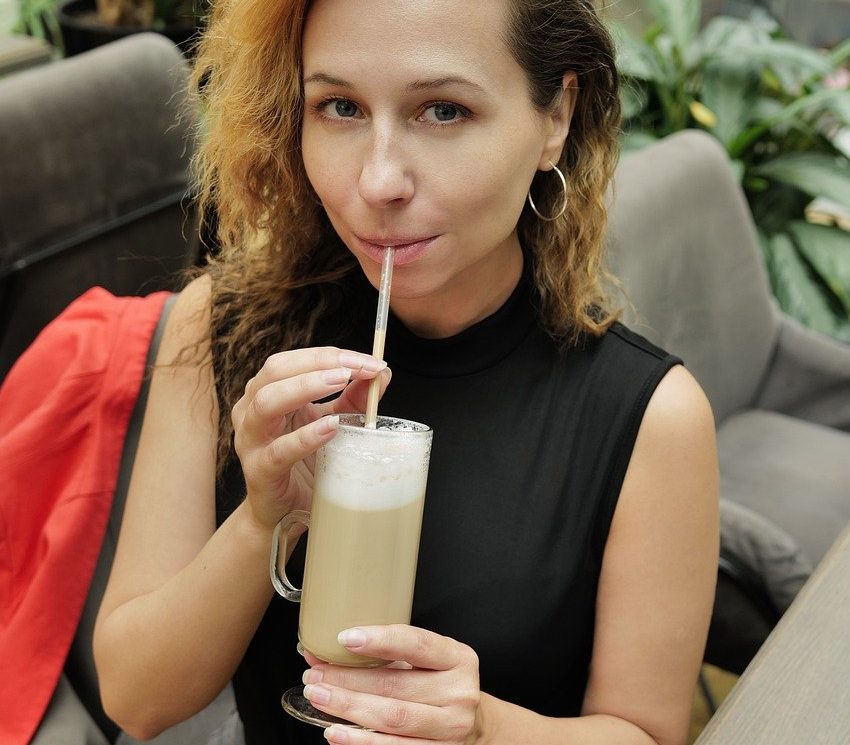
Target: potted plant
(782, 111)
(79, 25)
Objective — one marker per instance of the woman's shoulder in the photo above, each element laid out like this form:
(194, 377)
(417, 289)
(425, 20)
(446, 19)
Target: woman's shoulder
(675, 403)
(619, 359)
(622, 340)
(188, 324)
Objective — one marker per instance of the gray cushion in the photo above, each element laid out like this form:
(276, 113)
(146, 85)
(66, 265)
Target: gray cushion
(792, 472)
(809, 377)
(683, 243)
(765, 550)
(66, 721)
(217, 724)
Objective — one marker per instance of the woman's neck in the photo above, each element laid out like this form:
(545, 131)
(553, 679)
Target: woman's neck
(467, 299)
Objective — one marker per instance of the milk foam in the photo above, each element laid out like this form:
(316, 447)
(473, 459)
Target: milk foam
(360, 478)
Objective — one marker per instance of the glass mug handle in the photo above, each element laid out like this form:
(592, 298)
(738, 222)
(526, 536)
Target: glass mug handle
(281, 581)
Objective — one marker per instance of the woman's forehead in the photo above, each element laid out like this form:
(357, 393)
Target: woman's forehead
(427, 39)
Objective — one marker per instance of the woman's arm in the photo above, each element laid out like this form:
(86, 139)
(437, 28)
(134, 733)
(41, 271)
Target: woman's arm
(184, 599)
(656, 590)
(653, 607)
(659, 571)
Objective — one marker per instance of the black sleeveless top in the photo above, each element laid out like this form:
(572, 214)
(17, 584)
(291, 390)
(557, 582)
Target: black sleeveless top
(530, 448)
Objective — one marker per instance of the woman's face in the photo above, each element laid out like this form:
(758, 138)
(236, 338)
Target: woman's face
(418, 128)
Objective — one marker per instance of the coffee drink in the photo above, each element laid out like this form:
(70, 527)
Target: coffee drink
(363, 541)
(361, 566)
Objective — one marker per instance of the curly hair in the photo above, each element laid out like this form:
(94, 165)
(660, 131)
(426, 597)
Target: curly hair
(278, 268)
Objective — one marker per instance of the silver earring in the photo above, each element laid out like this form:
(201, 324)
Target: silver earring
(563, 206)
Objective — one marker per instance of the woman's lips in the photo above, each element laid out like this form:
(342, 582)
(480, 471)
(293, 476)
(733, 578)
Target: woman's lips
(404, 253)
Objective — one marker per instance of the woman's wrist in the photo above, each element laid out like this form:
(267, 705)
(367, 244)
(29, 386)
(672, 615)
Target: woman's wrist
(485, 720)
(252, 532)
(256, 533)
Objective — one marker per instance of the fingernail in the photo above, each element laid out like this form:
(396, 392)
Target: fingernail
(329, 423)
(337, 734)
(361, 361)
(317, 694)
(351, 638)
(311, 676)
(336, 376)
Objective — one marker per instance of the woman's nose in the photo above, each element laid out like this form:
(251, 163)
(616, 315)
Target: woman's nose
(385, 179)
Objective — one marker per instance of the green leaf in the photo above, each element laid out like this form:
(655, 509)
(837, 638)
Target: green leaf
(722, 31)
(37, 17)
(806, 104)
(633, 98)
(731, 92)
(840, 54)
(798, 292)
(680, 18)
(816, 174)
(665, 61)
(839, 106)
(793, 63)
(828, 251)
(635, 58)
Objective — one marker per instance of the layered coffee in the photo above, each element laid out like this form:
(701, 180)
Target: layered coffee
(363, 542)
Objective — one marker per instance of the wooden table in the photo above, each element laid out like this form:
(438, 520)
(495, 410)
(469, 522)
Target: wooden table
(797, 689)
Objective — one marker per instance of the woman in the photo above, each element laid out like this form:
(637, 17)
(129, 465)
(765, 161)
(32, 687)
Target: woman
(569, 543)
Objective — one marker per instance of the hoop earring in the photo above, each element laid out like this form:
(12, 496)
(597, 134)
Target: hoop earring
(563, 206)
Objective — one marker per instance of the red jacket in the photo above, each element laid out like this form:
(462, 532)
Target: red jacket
(64, 409)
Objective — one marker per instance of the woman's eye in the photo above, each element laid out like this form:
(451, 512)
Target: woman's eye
(344, 108)
(337, 108)
(443, 112)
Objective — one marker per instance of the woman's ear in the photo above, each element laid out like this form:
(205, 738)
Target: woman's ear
(558, 122)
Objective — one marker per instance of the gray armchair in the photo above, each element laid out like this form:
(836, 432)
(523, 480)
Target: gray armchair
(683, 241)
(93, 184)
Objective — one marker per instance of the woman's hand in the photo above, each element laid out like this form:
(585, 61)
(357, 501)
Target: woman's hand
(277, 428)
(431, 695)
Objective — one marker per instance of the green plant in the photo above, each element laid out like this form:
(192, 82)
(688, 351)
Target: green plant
(778, 108)
(38, 17)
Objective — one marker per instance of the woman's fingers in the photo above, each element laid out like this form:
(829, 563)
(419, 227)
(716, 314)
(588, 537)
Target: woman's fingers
(264, 415)
(339, 734)
(421, 686)
(420, 647)
(382, 714)
(436, 700)
(282, 454)
(354, 397)
(295, 362)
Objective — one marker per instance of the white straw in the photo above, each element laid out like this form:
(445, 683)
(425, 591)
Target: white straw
(380, 335)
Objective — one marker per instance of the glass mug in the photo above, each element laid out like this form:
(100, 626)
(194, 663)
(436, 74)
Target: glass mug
(362, 543)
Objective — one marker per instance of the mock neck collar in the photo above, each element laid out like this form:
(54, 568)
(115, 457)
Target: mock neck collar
(476, 348)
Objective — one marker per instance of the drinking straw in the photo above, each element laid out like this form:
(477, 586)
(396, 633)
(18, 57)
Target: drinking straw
(380, 335)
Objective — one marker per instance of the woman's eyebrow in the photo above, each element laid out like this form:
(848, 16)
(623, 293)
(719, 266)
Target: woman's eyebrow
(416, 85)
